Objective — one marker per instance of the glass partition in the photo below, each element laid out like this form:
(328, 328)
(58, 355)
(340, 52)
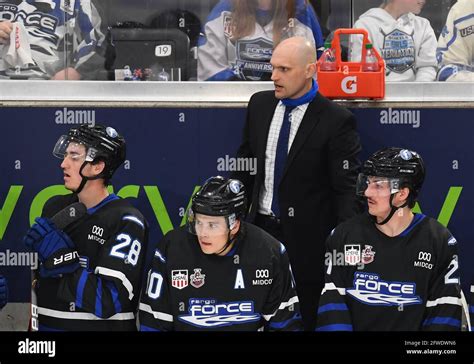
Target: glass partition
(153, 40)
(405, 32)
(222, 40)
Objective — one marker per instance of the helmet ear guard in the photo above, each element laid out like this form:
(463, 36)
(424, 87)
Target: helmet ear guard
(231, 221)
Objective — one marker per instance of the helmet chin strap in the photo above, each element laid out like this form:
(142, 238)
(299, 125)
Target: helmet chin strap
(85, 178)
(229, 241)
(392, 211)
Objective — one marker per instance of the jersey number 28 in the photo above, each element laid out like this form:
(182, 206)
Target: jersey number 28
(133, 253)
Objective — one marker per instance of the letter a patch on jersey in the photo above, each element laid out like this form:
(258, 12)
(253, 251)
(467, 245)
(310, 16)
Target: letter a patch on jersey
(239, 280)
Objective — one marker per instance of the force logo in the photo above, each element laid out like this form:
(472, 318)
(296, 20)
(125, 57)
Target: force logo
(368, 288)
(209, 313)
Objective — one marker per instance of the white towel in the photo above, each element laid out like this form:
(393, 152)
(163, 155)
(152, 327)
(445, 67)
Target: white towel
(18, 53)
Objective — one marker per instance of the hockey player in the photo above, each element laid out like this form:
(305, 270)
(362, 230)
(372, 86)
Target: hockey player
(239, 37)
(456, 44)
(3, 292)
(90, 273)
(391, 269)
(219, 272)
(406, 41)
(49, 27)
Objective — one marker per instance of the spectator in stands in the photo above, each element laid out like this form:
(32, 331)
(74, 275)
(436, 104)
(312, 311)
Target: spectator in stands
(323, 11)
(35, 34)
(406, 41)
(239, 37)
(456, 44)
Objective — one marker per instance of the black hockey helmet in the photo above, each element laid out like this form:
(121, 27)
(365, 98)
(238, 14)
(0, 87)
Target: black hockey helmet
(220, 196)
(398, 163)
(401, 167)
(102, 143)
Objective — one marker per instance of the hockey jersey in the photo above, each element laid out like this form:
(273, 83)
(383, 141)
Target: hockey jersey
(407, 44)
(379, 283)
(52, 27)
(220, 58)
(456, 44)
(103, 294)
(249, 289)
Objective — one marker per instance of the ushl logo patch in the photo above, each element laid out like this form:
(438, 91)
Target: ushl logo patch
(197, 278)
(179, 278)
(352, 254)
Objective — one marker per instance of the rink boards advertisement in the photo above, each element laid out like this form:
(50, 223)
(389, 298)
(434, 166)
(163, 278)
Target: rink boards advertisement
(171, 151)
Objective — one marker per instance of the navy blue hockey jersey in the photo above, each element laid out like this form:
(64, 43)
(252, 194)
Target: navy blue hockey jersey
(103, 294)
(249, 289)
(405, 283)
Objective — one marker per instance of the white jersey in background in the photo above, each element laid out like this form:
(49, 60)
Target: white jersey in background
(456, 44)
(220, 58)
(407, 44)
(56, 28)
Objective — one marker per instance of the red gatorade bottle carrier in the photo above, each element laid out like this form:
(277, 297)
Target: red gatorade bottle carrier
(348, 80)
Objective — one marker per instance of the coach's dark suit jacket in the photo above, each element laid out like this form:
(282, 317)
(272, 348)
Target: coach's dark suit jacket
(318, 185)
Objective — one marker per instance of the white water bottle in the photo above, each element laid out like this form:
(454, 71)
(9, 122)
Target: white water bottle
(371, 62)
(328, 59)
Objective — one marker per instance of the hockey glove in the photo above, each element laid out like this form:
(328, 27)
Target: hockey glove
(38, 231)
(3, 292)
(55, 249)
